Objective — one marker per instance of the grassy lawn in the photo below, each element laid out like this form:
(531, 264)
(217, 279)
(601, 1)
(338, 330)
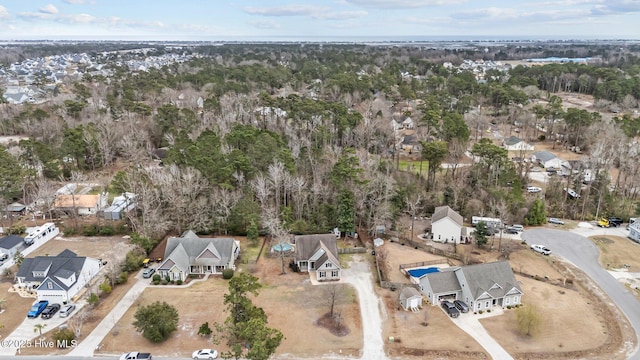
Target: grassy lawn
(617, 251)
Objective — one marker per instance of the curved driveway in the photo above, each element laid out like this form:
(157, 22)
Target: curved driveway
(584, 254)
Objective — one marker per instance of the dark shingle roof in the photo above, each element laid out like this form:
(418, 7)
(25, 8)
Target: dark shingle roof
(512, 140)
(494, 278)
(443, 281)
(62, 265)
(186, 250)
(307, 245)
(544, 156)
(10, 241)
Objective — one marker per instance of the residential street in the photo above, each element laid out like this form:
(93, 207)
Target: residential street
(581, 251)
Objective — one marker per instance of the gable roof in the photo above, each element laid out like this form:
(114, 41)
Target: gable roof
(544, 156)
(10, 241)
(82, 201)
(408, 292)
(61, 265)
(15, 207)
(444, 211)
(307, 245)
(188, 250)
(443, 281)
(484, 278)
(512, 140)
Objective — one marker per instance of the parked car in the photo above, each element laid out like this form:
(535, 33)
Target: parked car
(49, 311)
(37, 308)
(541, 249)
(533, 189)
(511, 230)
(148, 272)
(615, 221)
(134, 355)
(603, 222)
(461, 305)
(4, 256)
(515, 228)
(556, 221)
(67, 309)
(204, 354)
(450, 309)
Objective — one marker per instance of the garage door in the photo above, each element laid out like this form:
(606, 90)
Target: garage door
(447, 297)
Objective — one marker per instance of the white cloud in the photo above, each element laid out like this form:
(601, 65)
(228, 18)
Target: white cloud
(340, 15)
(4, 13)
(75, 2)
(494, 14)
(264, 24)
(49, 9)
(402, 4)
(287, 10)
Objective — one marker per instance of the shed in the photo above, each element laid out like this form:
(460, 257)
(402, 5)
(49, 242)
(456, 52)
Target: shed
(378, 242)
(11, 244)
(410, 299)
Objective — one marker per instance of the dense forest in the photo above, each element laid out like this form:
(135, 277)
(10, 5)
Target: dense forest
(281, 138)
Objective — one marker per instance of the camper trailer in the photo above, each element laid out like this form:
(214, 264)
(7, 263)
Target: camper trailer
(47, 231)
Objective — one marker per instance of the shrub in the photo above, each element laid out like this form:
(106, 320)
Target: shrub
(227, 274)
(156, 277)
(480, 311)
(90, 230)
(93, 299)
(205, 330)
(133, 260)
(167, 278)
(164, 282)
(70, 231)
(106, 230)
(124, 276)
(17, 230)
(488, 310)
(105, 287)
(508, 307)
(179, 282)
(156, 282)
(64, 337)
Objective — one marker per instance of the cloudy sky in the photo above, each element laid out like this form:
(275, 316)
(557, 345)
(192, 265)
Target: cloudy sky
(312, 19)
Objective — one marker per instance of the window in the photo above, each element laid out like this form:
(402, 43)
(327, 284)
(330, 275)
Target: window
(507, 301)
(50, 285)
(334, 273)
(328, 265)
(486, 304)
(322, 274)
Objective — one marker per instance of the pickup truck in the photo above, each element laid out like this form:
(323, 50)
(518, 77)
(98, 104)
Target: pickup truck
(134, 355)
(37, 308)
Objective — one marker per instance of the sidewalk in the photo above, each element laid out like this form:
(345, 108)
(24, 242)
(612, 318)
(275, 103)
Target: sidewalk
(92, 341)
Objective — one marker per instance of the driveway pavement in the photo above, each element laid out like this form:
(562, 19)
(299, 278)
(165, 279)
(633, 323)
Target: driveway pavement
(359, 276)
(576, 248)
(471, 325)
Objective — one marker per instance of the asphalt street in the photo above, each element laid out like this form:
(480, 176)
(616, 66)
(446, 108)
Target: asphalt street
(584, 254)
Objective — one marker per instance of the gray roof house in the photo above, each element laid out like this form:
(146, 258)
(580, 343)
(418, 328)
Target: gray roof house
(514, 143)
(318, 253)
(11, 244)
(547, 159)
(191, 254)
(446, 225)
(59, 278)
(482, 286)
(410, 299)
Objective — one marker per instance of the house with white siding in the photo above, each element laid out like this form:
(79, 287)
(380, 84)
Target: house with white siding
(634, 231)
(318, 253)
(481, 286)
(446, 225)
(57, 279)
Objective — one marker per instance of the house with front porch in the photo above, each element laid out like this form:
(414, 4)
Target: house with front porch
(481, 286)
(193, 255)
(318, 253)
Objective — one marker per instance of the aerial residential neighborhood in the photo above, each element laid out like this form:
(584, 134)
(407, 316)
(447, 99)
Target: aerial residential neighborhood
(376, 180)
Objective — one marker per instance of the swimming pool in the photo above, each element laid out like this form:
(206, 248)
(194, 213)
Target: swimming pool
(282, 247)
(422, 271)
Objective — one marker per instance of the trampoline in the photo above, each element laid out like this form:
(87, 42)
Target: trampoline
(282, 247)
(422, 271)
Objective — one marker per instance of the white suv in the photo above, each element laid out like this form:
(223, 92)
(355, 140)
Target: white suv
(541, 249)
(533, 189)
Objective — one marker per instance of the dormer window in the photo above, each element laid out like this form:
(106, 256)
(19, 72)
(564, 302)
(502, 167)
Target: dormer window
(50, 285)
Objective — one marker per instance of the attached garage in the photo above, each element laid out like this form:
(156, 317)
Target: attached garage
(440, 286)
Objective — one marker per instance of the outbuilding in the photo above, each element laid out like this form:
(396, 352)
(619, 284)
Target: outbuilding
(410, 299)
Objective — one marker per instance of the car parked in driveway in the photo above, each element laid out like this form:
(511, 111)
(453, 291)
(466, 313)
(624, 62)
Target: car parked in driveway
(461, 305)
(148, 272)
(37, 308)
(50, 311)
(615, 221)
(541, 249)
(556, 221)
(67, 310)
(450, 309)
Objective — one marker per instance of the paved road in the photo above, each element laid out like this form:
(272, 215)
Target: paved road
(584, 254)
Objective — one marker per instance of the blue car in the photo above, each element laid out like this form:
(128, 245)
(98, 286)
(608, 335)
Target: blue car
(37, 308)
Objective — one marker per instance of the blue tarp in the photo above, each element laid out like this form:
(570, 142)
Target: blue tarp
(420, 272)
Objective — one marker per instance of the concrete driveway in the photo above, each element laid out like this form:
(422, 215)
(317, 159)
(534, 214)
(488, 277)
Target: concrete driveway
(584, 254)
(470, 323)
(26, 333)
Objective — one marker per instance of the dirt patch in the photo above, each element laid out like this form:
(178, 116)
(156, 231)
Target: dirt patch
(14, 309)
(333, 324)
(293, 305)
(95, 247)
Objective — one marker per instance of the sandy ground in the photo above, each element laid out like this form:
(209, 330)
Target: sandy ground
(291, 303)
(575, 323)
